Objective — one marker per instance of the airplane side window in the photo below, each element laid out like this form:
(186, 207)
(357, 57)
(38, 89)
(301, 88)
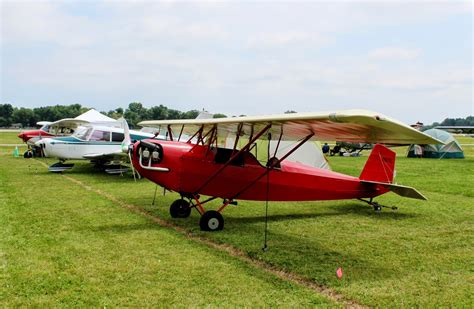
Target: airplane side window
(117, 137)
(223, 155)
(98, 135)
(106, 136)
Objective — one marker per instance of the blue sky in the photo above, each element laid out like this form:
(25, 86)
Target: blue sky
(406, 59)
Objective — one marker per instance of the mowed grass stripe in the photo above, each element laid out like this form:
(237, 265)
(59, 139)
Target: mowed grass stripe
(62, 245)
(232, 251)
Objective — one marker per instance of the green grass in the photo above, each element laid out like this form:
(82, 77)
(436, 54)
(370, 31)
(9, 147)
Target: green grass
(64, 246)
(10, 137)
(419, 255)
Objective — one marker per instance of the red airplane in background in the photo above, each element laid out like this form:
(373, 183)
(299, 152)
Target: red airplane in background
(199, 166)
(41, 132)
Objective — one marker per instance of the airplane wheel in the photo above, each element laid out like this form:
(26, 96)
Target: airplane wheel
(180, 209)
(377, 207)
(211, 221)
(28, 154)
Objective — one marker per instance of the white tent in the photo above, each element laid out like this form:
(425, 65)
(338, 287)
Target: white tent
(309, 153)
(93, 116)
(90, 117)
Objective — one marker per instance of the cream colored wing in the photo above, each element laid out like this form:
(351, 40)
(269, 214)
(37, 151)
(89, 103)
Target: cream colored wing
(349, 125)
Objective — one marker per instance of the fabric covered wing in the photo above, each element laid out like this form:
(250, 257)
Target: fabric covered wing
(350, 126)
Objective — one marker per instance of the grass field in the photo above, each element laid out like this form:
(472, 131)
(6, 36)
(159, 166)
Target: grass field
(65, 244)
(10, 137)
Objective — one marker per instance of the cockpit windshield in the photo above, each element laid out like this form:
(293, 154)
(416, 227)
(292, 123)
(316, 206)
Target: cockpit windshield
(45, 128)
(82, 133)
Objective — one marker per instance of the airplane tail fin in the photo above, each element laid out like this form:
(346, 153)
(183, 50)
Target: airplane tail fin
(380, 166)
(379, 170)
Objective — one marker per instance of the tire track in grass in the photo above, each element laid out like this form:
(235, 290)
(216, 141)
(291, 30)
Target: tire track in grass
(230, 250)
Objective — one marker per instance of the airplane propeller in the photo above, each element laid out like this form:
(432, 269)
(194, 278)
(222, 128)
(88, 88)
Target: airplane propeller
(127, 145)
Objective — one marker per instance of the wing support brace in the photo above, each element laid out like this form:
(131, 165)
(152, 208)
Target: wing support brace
(245, 148)
(272, 164)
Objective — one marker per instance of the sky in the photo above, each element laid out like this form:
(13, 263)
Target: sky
(410, 60)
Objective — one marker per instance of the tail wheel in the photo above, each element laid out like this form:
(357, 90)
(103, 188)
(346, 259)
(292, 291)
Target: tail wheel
(180, 209)
(211, 221)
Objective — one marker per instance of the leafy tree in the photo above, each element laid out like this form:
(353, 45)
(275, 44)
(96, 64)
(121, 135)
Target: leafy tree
(135, 113)
(192, 114)
(159, 112)
(6, 112)
(116, 113)
(25, 116)
(219, 116)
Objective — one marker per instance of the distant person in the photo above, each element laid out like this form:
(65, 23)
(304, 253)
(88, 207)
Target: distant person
(325, 148)
(336, 150)
(418, 151)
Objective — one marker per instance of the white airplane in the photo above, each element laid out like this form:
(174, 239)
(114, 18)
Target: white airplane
(99, 144)
(63, 127)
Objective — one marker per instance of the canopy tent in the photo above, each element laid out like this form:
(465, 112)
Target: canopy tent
(92, 117)
(309, 153)
(451, 148)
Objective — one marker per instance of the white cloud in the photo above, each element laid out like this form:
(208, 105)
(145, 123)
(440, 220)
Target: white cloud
(286, 39)
(232, 57)
(395, 53)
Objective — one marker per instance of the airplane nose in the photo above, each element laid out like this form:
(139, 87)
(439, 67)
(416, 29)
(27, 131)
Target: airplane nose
(43, 144)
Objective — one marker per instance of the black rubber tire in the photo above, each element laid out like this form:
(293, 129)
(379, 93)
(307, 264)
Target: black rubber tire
(211, 221)
(180, 209)
(28, 154)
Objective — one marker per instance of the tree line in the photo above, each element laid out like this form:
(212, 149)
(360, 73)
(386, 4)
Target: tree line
(468, 121)
(134, 113)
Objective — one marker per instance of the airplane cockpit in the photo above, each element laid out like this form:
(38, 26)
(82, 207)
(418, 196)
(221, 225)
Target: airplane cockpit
(46, 128)
(223, 155)
(98, 135)
(83, 133)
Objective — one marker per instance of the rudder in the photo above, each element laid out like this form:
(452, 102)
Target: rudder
(380, 166)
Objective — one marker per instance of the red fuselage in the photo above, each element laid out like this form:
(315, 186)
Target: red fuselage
(190, 166)
(27, 135)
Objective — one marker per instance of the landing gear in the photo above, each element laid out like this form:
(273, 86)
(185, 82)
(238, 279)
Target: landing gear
(28, 154)
(211, 221)
(377, 206)
(180, 209)
(60, 167)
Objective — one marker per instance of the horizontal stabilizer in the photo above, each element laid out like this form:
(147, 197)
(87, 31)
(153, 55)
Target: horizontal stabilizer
(400, 190)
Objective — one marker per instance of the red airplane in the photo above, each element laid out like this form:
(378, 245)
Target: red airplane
(198, 166)
(32, 136)
(41, 132)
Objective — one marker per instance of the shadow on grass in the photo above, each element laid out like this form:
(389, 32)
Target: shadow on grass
(361, 209)
(313, 259)
(280, 217)
(337, 210)
(125, 228)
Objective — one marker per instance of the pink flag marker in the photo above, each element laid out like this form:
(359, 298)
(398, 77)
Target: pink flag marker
(339, 273)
